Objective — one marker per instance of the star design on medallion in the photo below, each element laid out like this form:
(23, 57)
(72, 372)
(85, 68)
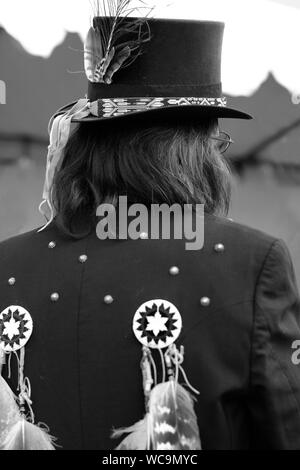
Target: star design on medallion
(156, 324)
(13, 327)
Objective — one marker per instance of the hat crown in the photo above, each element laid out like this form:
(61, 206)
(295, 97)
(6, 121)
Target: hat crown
(182, 58)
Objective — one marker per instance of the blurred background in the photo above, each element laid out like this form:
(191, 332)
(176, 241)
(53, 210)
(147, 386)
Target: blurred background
(41, 69)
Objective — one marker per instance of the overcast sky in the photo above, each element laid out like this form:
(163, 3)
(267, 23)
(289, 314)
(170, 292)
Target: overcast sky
(261, 35)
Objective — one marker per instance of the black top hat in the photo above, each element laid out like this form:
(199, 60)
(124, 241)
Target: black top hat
(176, 71)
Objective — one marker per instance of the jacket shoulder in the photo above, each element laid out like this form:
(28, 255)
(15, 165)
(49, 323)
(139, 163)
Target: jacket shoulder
(241, 236)
(25, 241)
(17, 239)
(27, 247)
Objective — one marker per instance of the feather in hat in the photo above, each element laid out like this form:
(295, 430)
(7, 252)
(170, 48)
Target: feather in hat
(117, 42)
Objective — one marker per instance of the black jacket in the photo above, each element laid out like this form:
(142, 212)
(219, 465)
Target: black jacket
(83, 360)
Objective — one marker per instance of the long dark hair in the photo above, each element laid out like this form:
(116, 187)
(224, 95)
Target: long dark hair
(162, 163)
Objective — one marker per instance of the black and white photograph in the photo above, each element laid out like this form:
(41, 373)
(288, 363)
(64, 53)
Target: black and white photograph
(149, 228)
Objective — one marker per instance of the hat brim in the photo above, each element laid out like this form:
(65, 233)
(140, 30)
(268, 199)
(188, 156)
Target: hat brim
(168, 112)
